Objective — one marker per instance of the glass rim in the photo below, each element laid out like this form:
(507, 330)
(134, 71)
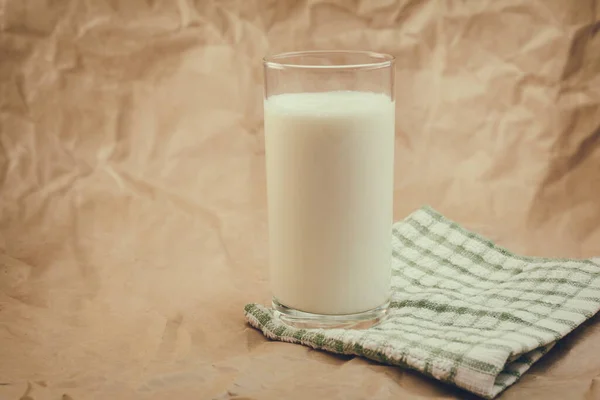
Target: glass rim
(376, 60)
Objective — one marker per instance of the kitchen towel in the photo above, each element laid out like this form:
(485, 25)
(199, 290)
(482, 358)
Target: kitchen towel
(463, 310)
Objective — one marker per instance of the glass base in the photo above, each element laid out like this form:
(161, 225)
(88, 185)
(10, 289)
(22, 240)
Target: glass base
(304, 320)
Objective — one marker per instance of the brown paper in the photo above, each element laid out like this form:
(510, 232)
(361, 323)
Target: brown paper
(132, 188)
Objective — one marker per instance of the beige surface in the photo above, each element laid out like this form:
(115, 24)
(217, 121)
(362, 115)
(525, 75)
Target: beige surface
(132, 190)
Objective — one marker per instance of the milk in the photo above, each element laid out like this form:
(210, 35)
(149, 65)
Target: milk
(330, 162)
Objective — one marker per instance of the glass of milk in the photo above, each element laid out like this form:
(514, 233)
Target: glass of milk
(329, 139)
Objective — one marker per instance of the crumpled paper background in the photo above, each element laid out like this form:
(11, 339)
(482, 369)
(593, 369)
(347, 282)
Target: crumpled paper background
(132, 188)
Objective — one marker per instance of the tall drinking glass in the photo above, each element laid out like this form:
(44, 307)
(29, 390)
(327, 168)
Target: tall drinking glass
(329, 138)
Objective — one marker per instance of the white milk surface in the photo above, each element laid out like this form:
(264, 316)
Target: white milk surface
(330, 168)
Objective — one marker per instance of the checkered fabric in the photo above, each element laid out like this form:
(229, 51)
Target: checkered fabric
(463, 310)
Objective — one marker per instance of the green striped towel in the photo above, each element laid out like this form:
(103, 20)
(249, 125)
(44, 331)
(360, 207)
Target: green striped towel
(463, 310)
